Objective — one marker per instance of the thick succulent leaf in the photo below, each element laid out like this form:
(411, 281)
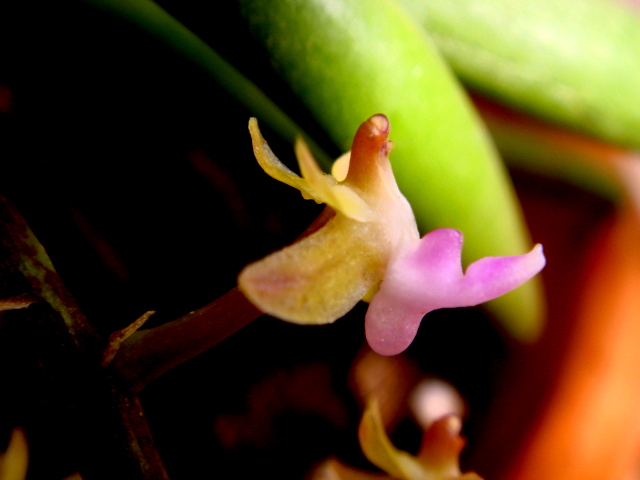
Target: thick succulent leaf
(574, 62)
(605, 169)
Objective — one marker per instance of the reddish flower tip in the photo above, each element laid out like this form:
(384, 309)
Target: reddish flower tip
(378, 125)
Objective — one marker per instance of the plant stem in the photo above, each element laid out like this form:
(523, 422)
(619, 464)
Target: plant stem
(102, 421)
(149, 353)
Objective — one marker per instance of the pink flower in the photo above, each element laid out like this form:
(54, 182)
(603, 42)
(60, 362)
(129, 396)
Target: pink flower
(366, 245)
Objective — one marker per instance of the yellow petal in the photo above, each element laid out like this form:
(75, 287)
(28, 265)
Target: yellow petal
(325, 188)
(340, 167)
(314, 183)
(333, 469)
(320, 277)
(377, 447)
(270, 163)
(13, 463)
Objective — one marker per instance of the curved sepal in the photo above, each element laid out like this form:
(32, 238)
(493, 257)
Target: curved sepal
(314, 183)
(317, 279)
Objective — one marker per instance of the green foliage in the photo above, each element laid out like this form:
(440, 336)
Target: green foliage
(574, 62)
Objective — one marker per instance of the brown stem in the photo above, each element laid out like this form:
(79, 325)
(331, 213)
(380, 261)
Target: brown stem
(92, 411)
(149, 353)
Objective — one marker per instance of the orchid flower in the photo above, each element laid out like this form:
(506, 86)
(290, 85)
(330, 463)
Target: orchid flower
(437, 459)
(366, 246)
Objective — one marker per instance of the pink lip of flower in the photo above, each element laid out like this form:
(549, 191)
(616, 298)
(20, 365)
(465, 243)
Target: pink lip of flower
(428, 275)
(366, 244)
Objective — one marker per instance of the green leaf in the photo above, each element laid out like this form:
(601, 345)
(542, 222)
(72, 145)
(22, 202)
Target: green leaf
(158, 23)
(573, 62)
(349, 59)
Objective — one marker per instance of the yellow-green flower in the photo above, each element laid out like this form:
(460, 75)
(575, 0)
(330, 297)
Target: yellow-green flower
(437, 459)
(366, 245)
